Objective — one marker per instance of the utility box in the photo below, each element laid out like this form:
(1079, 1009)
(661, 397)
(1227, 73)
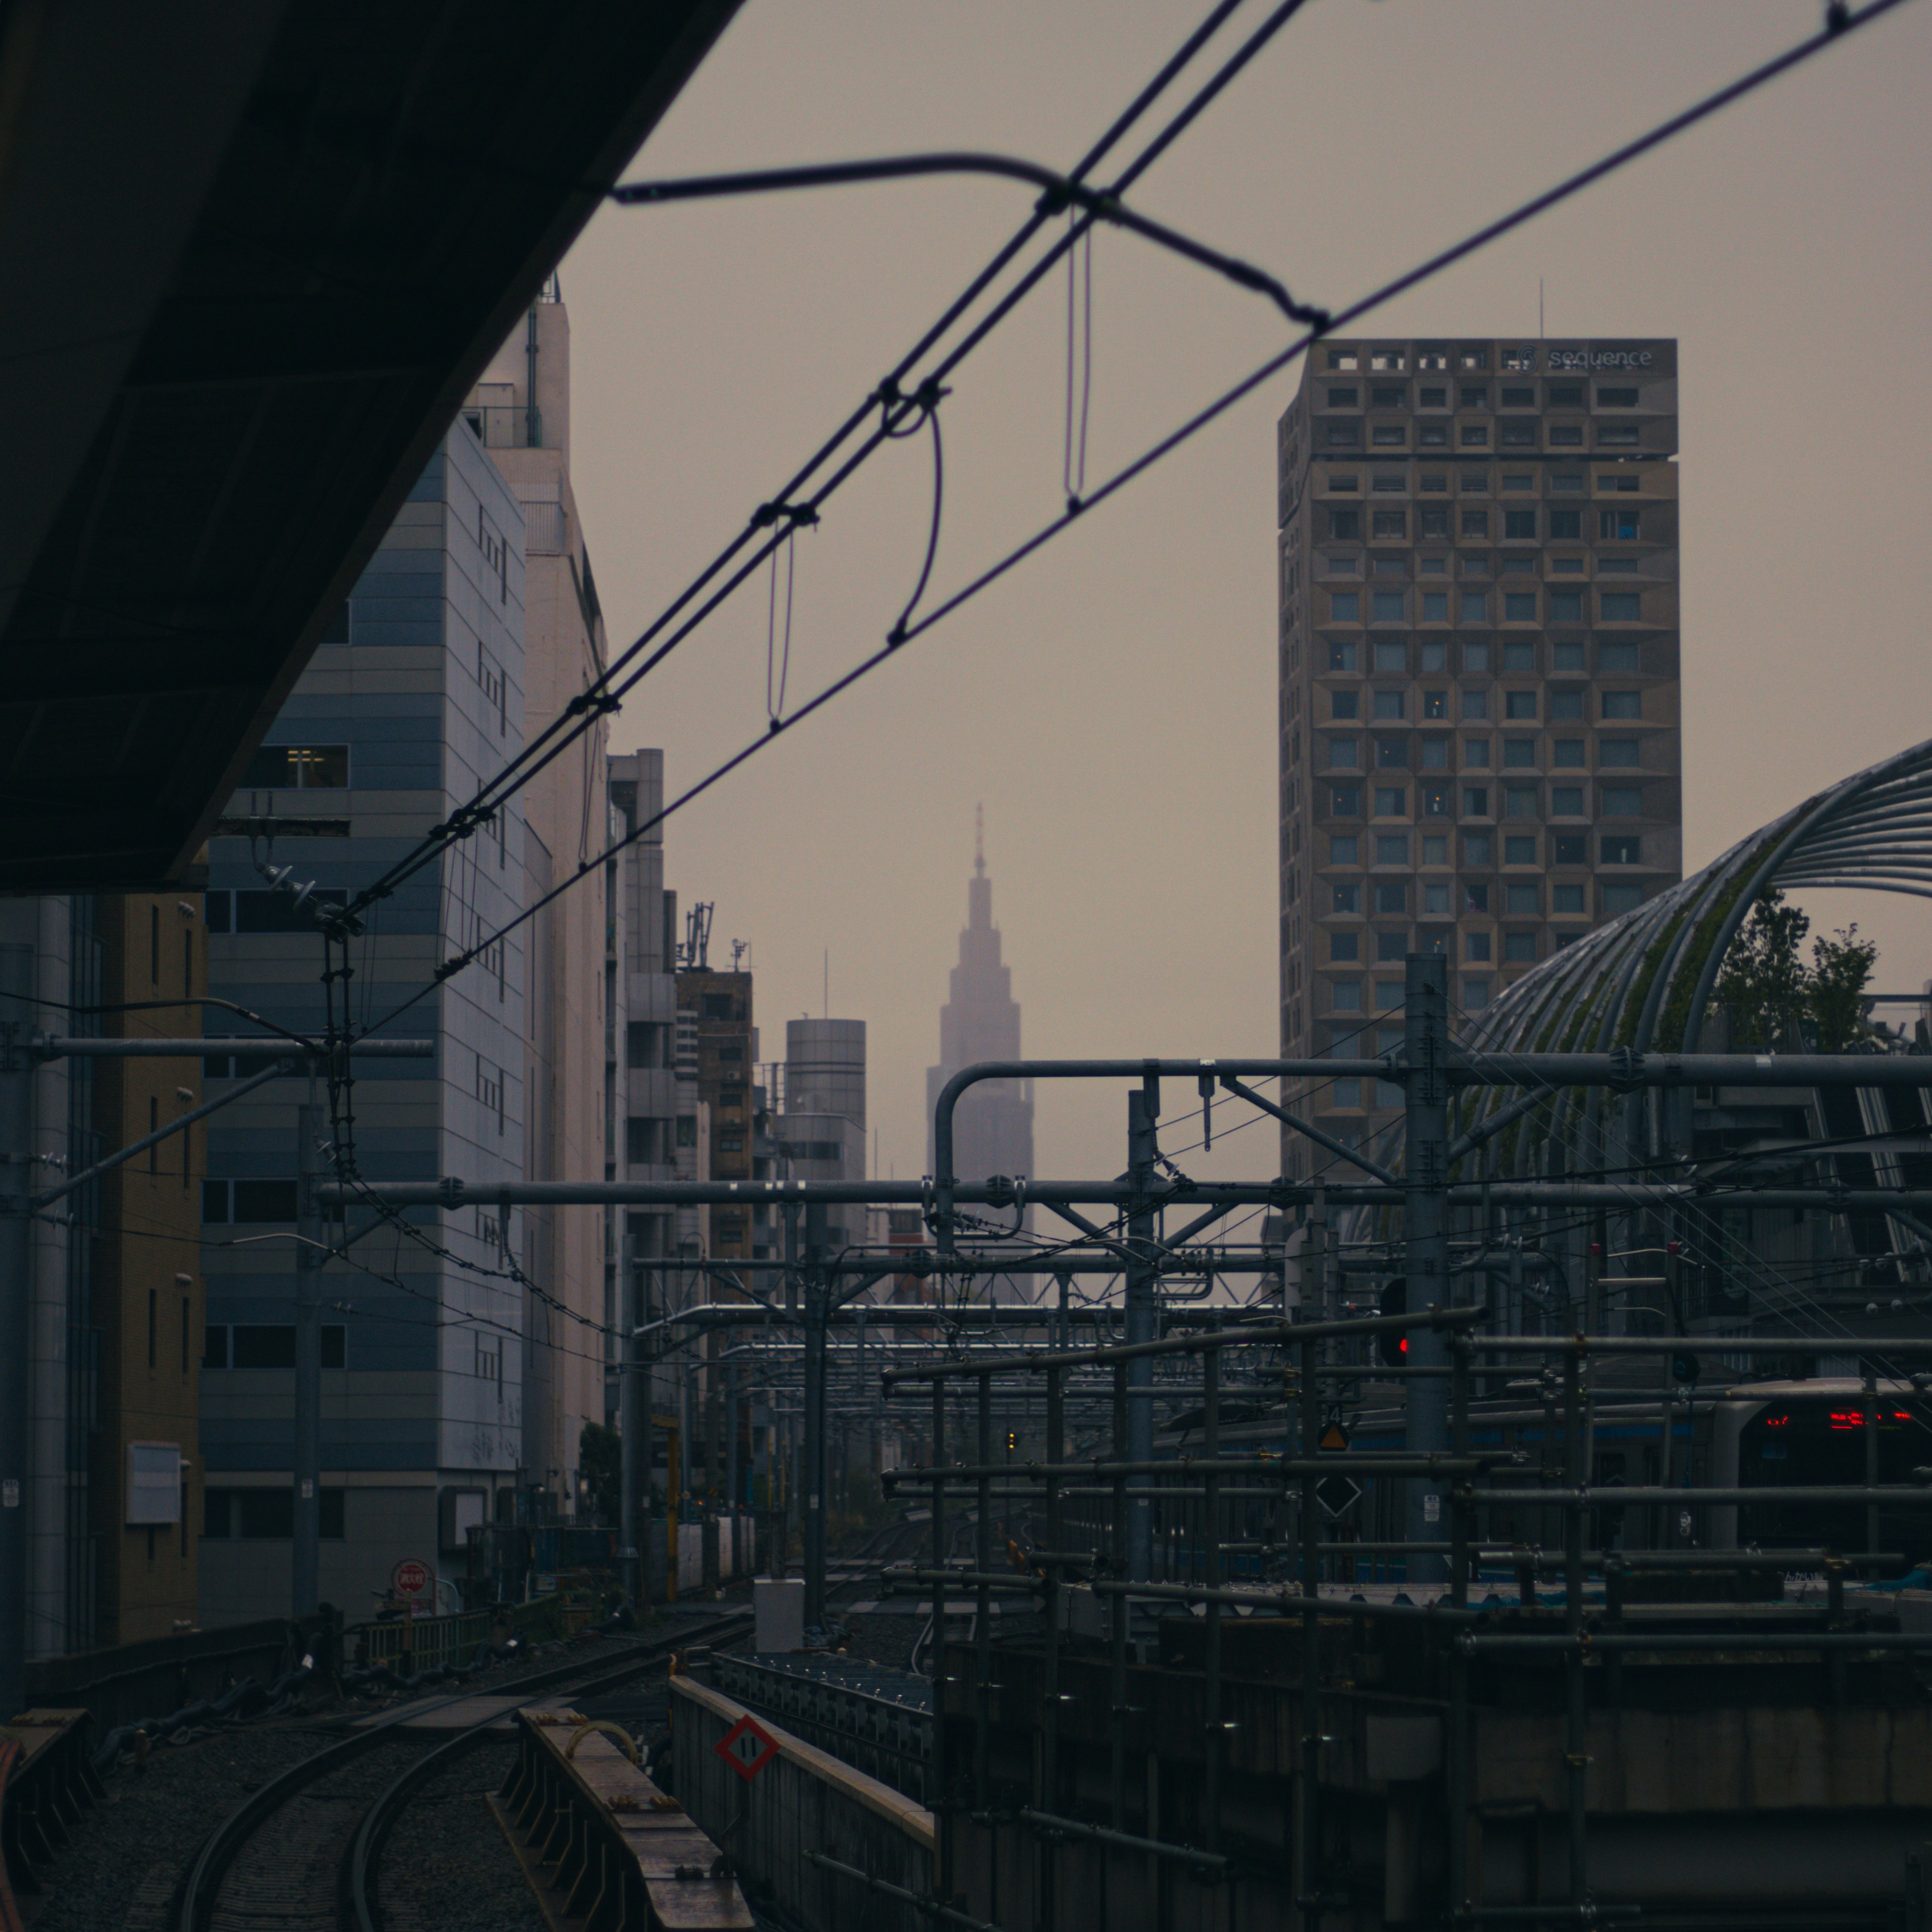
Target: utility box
(778, 1606)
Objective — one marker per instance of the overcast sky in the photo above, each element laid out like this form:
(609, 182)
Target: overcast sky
(1112, 702)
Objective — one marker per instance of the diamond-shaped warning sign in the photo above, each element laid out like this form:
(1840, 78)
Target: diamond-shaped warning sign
(747, 1747)
(1337, 1494)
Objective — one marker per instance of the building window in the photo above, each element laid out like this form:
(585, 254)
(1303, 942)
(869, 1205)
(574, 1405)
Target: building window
(1344, 607)
(1519, 704)
(1475, 655)
(1346, 525)
(1621, 525)
(1475, 607)
(1520, 752)
(1341, 654)
(1388, 704)
(1346, 802)
(1615, 398)
(1388, 436)
(1516, 435)
(1342, 754)
(1619, 899)
(1623, 801)
(1347, 896)
(1567, 801)
(1476, 704)
(1476, 946)
(1522, 899)
(1391, 801)
(1433, 522)
(1343, 358)
(1475, 896)
(1623, 704)
(1475, 801)
(1566, 899)
(1519, 948)
(1390, 947)
(1387, 607)
(1617, 751)
(1435, 896)
(1344, 396)
(1343, 849)
(1343, 703)
(1342, 435)
(490, 1089)
(1564, 705)
(1392, 848)
(1622, 848)
(1520, 802)
(1474, 435)
(1391, 896)
(1570, 848)
(1519, 606)
(1435, 801)
(1344, 996)
(1567, 751)
(1387, 523)
(223, 1201)
(1519, 849)
(1616, 436)
(1617, 480)
(1392, 754)
(1435, 606)
(1475, 994)
(1566, 526)
(1433, 436)
(1479, 848)
(1566, 436)
(297, 768)
(1344, 946)
(1617, 660)
(1435, 755)
(1566, 607)
(1473, 482)
(1620, 606)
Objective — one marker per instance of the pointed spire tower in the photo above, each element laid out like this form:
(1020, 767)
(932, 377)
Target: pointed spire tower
(993, 1128)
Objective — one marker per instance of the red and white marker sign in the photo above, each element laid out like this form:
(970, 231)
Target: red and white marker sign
(410, 1578)
(747, 1747)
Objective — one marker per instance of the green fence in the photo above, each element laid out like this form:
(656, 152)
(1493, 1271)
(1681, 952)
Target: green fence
(428, 1639)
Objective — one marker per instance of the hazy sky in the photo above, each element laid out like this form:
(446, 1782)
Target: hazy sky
(1113, 701)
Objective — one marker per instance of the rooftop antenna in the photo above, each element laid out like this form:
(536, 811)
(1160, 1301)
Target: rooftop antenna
(697, 947)
(739, 947)
(979, 840)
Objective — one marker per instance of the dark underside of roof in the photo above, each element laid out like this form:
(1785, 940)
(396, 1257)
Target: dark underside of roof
(398, 180)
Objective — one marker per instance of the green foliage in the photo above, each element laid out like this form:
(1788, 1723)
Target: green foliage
(1767, 988)
(600, 1463)
(1841, 971)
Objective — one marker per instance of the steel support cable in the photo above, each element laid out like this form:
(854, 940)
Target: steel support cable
(595, 699)
(1435, 264)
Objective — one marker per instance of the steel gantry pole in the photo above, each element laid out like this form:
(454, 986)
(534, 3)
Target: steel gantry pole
(1143, 1315)
(816, 1287)
(1426, 1191)
(16, 1235)
(311, 1251)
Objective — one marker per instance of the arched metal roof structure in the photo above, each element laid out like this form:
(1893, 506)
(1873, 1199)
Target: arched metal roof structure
(1645, 981)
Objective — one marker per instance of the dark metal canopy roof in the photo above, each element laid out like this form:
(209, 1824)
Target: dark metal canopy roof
(252, 257)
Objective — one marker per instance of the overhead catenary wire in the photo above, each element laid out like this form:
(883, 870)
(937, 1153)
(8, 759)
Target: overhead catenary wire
(1435, 264)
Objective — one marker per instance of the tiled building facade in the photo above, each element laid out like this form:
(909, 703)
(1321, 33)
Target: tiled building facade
(413, 699)
(1478, 675)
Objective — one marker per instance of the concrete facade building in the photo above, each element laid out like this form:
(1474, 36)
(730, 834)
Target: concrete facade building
(717, 1007)
(415, 696)
(820, 1135)
(1477, 577)
(520, 412)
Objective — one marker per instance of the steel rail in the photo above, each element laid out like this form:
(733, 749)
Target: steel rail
(195, 1910)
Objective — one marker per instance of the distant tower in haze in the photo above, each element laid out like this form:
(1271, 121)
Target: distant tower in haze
(993, 1128)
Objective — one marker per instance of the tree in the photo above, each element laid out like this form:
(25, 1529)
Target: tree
(1767, 987)
(600, 1469)
(1842, 972)
(1763, 981)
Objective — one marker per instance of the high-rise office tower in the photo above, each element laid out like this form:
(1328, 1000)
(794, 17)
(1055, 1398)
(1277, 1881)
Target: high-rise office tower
(1478, 677)
(993, 1131)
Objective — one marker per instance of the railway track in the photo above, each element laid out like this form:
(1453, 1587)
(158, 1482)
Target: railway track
(303, 1854)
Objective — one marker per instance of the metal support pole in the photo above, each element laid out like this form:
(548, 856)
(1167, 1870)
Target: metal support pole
(306, 1555)
(1308, 1875)
(938, 1797)
(1871, 1458)
(1141, 1287)
(983, 1617)
(814, 1472)
(634, 1424)
(1426, 1047)
(1576, 1763)
(16, 1235)
(1456, 1756)
(1048, 1799)
(1210, 1635)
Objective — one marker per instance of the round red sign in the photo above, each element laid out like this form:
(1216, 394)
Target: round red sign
(409, 1578)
